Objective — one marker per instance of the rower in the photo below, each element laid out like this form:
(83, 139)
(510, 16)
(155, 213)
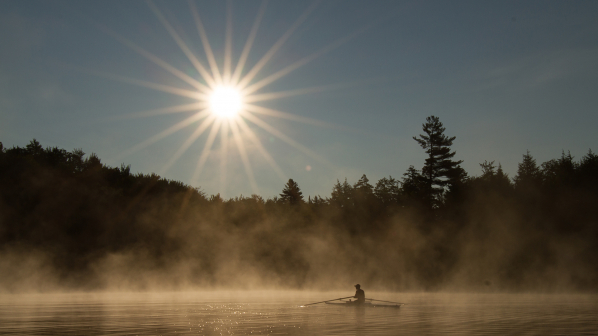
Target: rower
(359, 294)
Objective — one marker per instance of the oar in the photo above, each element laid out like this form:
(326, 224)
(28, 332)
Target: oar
(327, 301)
(387, 301)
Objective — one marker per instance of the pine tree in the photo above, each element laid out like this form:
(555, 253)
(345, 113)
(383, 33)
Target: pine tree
(439, 170)
(528, 173)
(500, 175)
(388, 190)
(364, 199)
(493, 179)
(363, 189)
(413, 188)
(342, 195)
(559, 172)
(34, 148)
(587, 172)
(318, 200)
(291, 193)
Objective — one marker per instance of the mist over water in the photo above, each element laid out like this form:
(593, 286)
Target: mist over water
(279, 313)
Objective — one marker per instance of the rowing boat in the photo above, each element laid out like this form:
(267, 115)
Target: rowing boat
(370, 303)
(365, 304)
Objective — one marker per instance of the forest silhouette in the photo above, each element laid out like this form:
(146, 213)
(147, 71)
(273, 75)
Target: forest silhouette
(69, 222)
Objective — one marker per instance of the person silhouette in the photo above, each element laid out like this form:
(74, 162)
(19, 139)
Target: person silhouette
(359, 294)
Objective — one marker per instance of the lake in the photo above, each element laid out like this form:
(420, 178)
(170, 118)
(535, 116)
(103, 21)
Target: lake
(280, 313)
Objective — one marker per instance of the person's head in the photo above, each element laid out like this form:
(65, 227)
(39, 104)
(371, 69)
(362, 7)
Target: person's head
(358, 286)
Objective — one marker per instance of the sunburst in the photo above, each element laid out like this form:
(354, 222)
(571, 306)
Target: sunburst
(226, 102)
(226, 98)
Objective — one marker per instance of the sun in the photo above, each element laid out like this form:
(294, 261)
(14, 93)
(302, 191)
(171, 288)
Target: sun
(225, 98)
(226, 102)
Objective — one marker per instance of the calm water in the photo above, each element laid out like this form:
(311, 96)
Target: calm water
(278, 313)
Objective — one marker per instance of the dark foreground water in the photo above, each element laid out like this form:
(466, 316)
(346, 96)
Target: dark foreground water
(279, 313)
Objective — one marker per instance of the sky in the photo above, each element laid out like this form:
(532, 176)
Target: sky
(353, 82)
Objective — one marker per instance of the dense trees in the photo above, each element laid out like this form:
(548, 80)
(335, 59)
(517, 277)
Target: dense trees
(79, 223)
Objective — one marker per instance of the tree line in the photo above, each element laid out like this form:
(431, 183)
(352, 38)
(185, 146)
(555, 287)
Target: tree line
(69, 221)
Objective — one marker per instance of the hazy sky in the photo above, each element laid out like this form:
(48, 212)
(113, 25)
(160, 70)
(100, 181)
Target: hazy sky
(503, 76)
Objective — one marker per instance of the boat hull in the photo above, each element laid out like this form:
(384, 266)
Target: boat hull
(365, 304)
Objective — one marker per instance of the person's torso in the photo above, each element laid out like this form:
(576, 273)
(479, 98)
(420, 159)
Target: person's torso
(360, 294)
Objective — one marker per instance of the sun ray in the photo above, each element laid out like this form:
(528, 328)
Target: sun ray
(205, 151)
(288, 116)
(179, 41)
(196, 134)
(156, 60)
(280, 94)
(205, 42)
(224, 155)
(144, 53)
(262, 62)
(162, 111)
(228, 43)
(158, 87)
(288, 69)
(244, 158)
(243, 125)
(311, 121)
(249, 43)
(178, 126)
(252, 98)
(257, 121)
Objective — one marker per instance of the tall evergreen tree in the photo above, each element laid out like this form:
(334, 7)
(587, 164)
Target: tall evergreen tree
(528, 175)
(439, 170)
(291, 193)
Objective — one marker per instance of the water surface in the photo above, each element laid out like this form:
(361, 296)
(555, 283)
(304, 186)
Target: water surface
(280, 313)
